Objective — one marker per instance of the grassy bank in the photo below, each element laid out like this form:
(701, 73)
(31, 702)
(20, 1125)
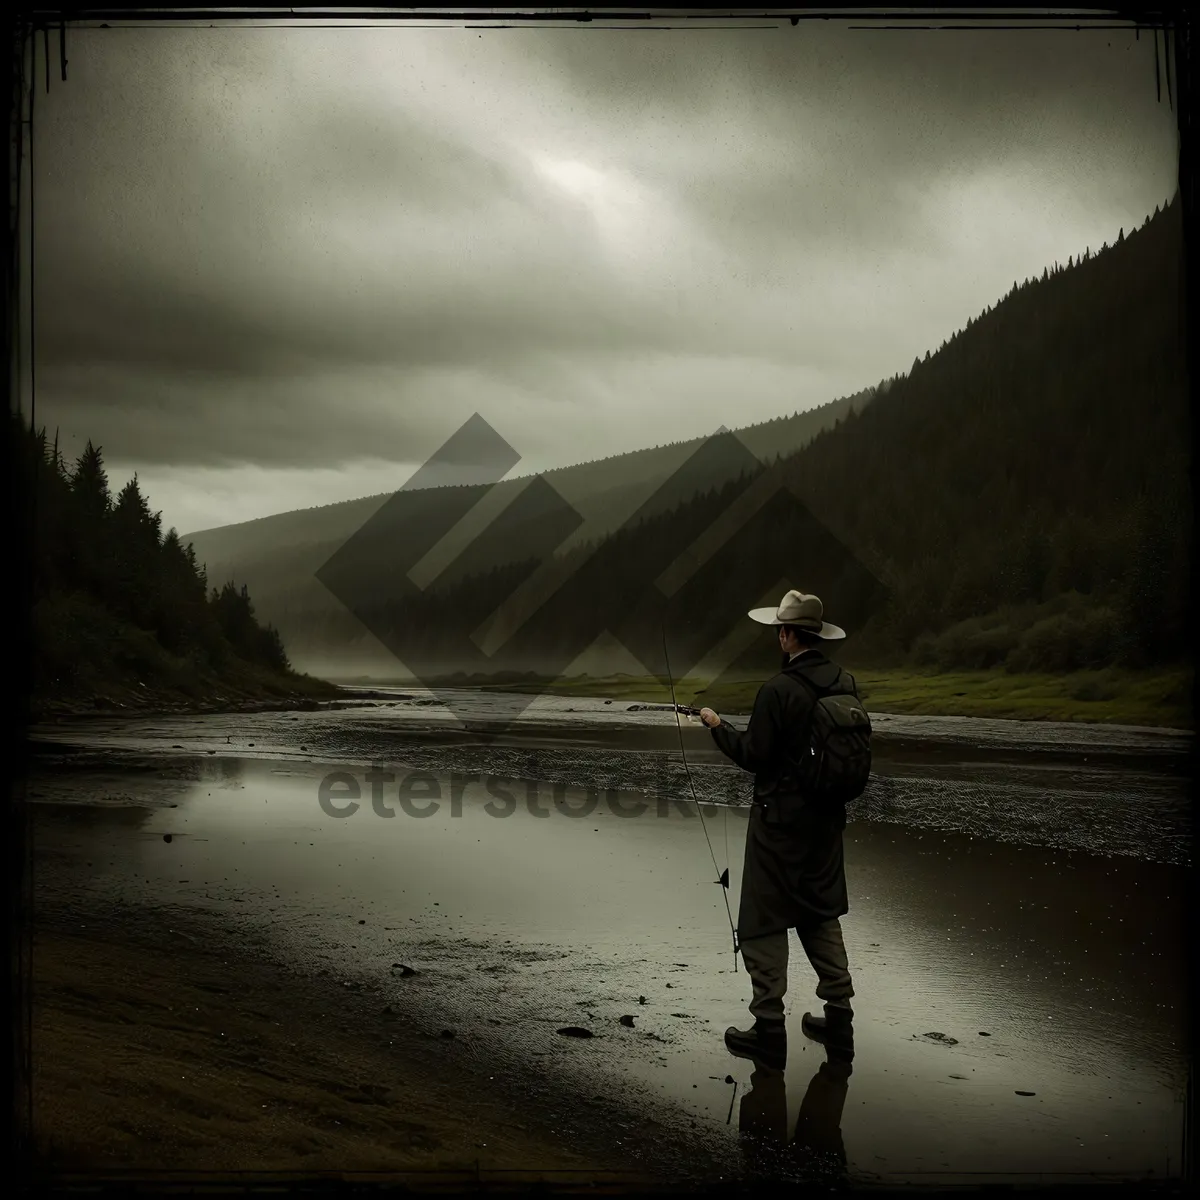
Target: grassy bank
(1153, 698)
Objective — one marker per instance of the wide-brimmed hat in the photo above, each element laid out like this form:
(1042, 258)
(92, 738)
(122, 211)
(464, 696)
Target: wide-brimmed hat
(805, 612)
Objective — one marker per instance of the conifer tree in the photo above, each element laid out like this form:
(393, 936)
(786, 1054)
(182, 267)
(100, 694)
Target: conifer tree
(102, 566)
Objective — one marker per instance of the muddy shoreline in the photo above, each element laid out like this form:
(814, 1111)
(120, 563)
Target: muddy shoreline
(72, 712)
(169, 1040)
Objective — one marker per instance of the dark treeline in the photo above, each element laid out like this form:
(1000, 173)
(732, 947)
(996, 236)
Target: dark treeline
(114, 598)
(1025, 490)
(1022, 493)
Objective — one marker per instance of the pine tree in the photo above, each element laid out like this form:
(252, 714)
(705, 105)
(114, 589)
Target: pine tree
(89, 484)
(87, 531)
(135, 577)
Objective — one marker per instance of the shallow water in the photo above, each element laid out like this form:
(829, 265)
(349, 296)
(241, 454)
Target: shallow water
(1099, 788)
(997, 917)
(419, 708)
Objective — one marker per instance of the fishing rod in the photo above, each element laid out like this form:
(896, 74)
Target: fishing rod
(723, 876)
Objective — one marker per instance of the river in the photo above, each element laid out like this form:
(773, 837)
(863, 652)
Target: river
(1016, 890)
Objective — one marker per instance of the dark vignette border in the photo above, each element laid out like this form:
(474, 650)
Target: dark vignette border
(30, 24)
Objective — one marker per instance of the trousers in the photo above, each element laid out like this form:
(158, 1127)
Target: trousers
(766, 960)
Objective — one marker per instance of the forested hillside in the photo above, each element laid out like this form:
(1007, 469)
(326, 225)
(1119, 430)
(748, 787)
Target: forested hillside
(1022, 495)
(122, 613)
(1025, 490)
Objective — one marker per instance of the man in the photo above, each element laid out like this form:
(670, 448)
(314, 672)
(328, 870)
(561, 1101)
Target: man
(793, 875)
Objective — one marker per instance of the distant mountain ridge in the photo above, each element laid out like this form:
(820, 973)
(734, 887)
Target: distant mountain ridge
(277, 556)
(777, 435)
(1022, 492)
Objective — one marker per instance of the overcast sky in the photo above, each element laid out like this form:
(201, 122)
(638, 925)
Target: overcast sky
(277, 268)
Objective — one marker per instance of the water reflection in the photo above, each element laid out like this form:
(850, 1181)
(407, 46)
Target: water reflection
(229, 770)
(812, 1150)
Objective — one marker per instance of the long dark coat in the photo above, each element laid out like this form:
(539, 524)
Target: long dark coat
(795, 877)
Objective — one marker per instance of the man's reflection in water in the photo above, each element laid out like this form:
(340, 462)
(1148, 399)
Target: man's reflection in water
(814, 1151)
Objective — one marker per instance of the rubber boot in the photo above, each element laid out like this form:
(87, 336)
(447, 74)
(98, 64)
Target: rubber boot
(835, 1031)
(765, 1042)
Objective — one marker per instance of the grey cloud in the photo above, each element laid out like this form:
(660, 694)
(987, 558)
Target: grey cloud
(904, 100)
(153, 324)
(245, 255)
(836, 136)
(982, 73)
(199, 265)
(154, 418)
(349, 148)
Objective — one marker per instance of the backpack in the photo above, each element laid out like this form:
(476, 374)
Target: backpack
(837, 765)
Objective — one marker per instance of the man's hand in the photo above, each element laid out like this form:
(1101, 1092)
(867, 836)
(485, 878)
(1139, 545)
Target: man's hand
(710, 718)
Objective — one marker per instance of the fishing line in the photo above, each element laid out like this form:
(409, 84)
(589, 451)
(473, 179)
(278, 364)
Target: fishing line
(722, 876)
(725, 830)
